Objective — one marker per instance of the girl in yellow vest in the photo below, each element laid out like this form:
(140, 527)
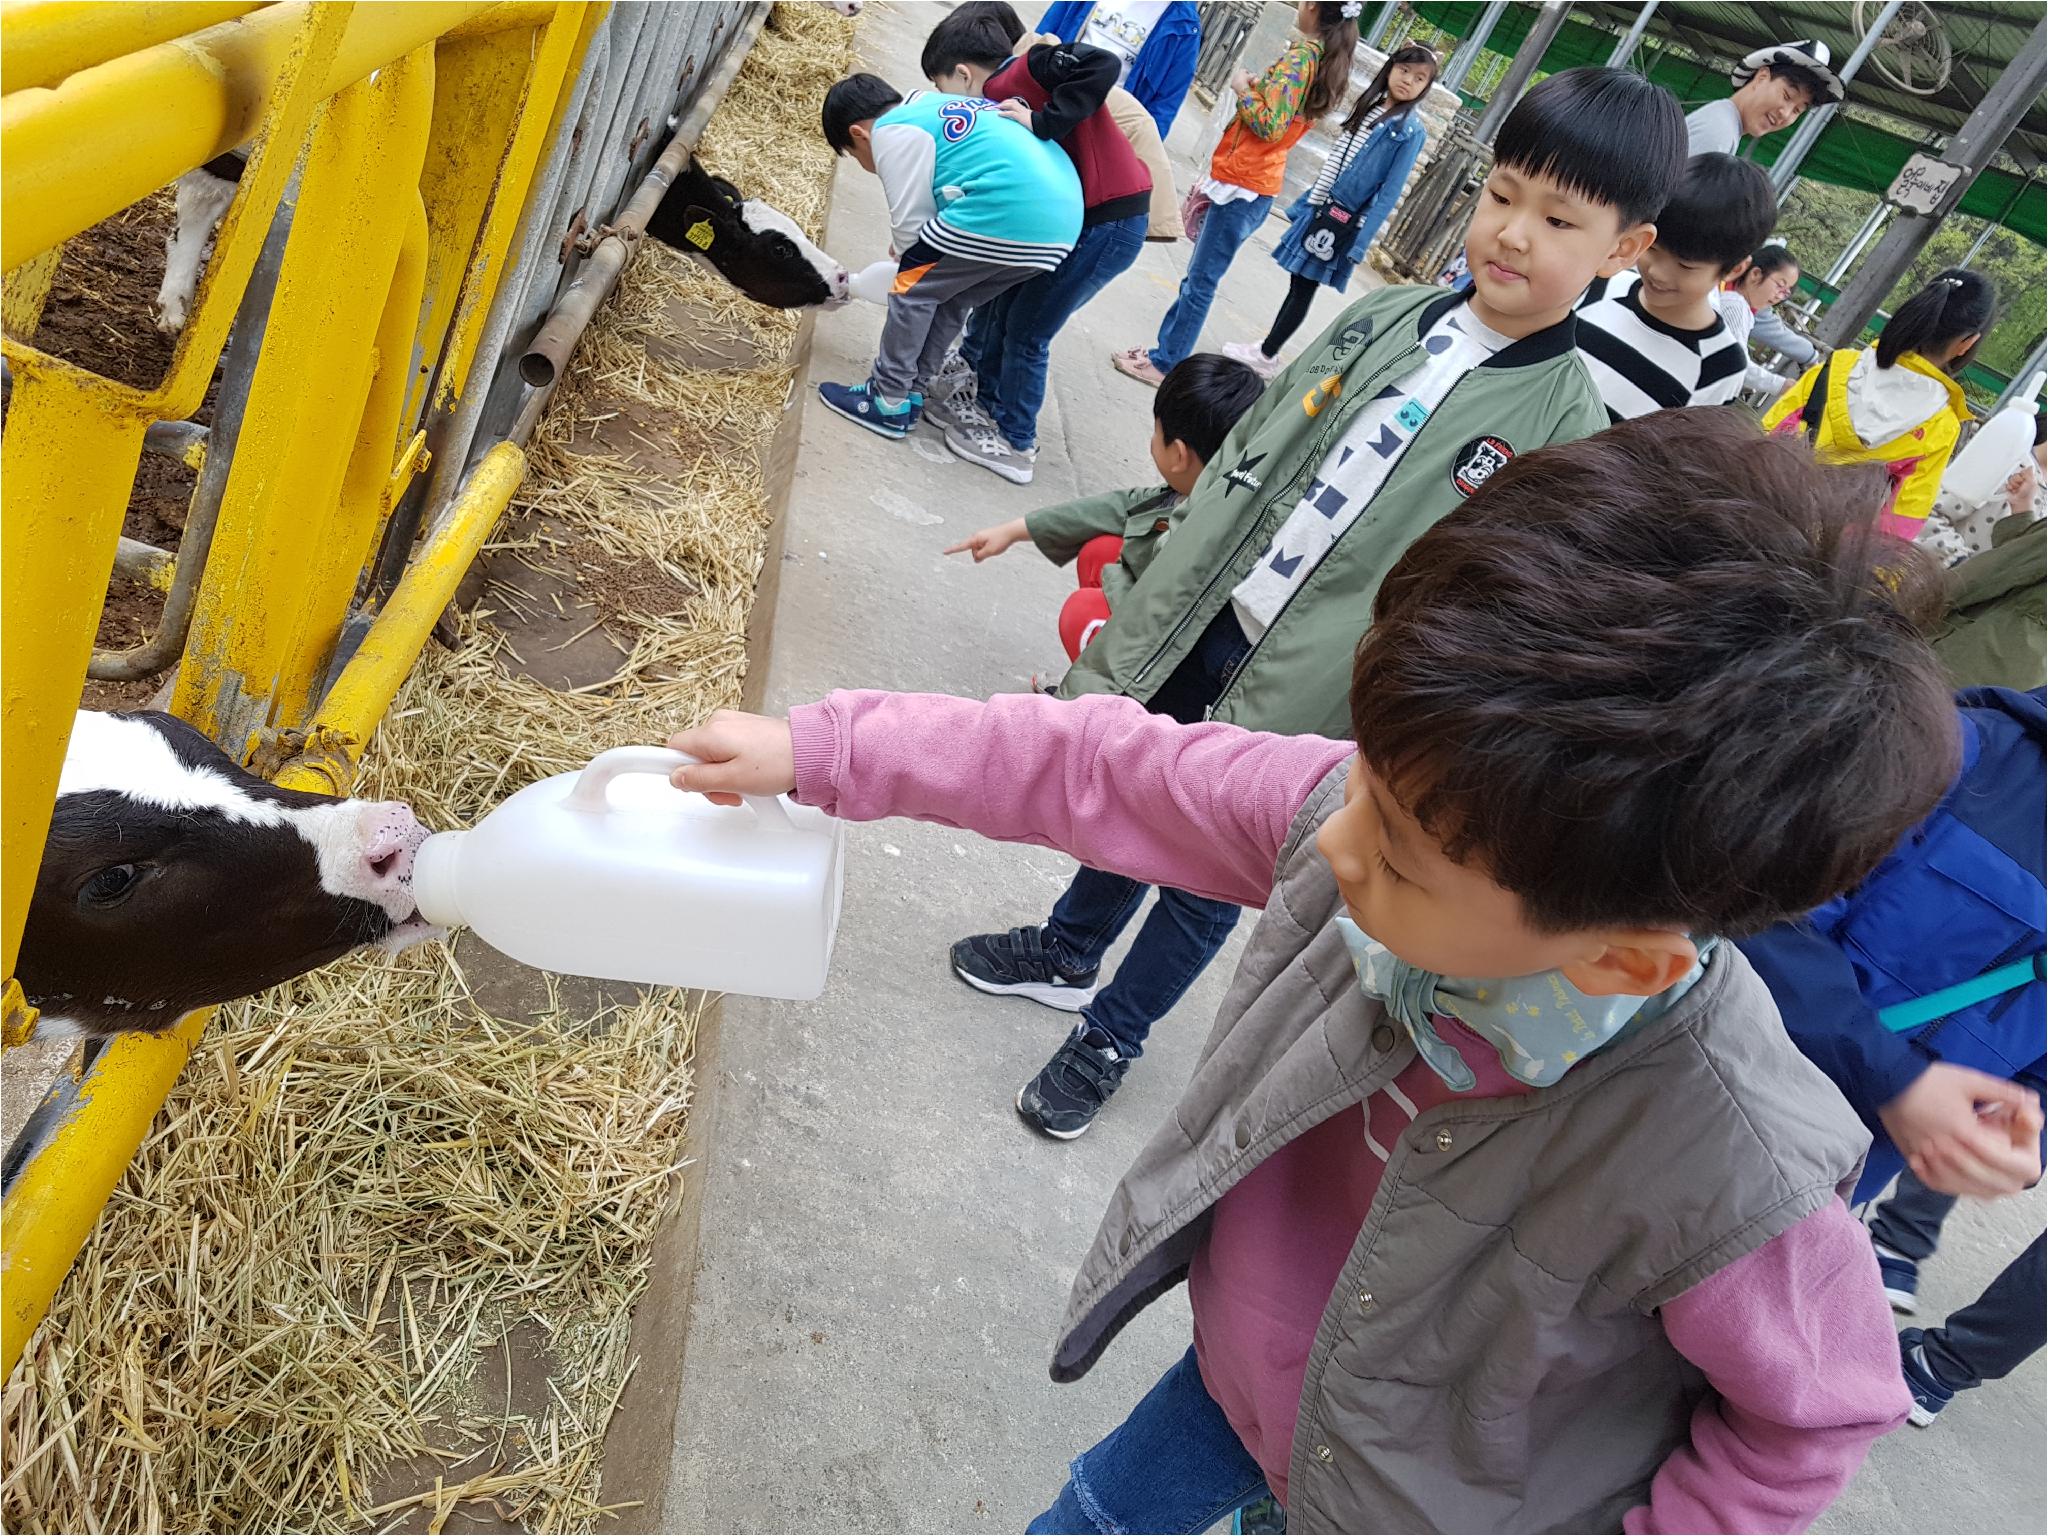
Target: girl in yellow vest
(1896, 403)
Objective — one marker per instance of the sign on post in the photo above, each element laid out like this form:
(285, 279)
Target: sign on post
(1922, 183)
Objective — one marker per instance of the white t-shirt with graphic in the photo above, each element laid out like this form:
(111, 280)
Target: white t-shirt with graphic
(1358, 465)
(1122, 26)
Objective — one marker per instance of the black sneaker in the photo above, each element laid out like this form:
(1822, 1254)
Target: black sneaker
(1018, 964)
(1070, 1090)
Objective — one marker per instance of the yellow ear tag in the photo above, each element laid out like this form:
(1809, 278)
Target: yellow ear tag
(699, 234)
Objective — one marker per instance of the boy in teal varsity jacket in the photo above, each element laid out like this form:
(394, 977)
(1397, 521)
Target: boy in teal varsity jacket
(977, 205)
(1254, 604)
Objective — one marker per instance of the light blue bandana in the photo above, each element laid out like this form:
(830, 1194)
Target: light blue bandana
(1540, 1024)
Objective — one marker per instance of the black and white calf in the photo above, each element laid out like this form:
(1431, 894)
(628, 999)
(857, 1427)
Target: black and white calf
(202, 198)
(756, 248)
(174, 878)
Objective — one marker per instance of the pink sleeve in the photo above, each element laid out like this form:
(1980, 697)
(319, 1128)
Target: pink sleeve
(1798, 1344)
(1200, 808)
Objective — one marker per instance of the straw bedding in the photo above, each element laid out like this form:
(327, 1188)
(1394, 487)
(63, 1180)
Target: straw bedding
(365, 1185)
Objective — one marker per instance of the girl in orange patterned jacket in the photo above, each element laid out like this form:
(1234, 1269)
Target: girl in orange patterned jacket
(1273, 112)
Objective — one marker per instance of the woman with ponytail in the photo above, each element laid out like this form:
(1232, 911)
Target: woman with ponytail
(1336, 219)
(1897, 403)
(1273, 112)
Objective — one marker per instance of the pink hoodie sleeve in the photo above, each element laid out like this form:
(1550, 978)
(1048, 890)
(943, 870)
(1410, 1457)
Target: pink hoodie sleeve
(1200, 808)
(1798, 1344)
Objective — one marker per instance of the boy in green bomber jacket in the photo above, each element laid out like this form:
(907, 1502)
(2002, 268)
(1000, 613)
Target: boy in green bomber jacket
(1250, 611)
(1113, 537)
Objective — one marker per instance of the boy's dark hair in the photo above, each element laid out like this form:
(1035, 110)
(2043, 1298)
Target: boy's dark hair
(970, 35)
(856, 99)
(1667, 674)
(1001, 13)
(1720, 211)
(1200, 400)
(1601, 133)
(1954, 304)
(1817, 89)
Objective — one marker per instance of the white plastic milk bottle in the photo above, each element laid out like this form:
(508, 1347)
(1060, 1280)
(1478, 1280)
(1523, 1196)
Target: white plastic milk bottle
(613, 872)
(1988, 459)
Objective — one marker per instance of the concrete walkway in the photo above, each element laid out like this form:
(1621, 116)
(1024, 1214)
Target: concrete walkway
(886, 1249)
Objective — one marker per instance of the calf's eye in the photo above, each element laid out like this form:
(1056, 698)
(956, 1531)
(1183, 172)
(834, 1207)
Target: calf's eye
(110, 886)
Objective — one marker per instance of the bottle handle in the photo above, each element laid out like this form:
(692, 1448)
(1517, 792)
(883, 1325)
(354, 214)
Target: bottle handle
(595, 780)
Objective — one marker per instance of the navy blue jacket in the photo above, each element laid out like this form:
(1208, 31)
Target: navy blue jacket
(1961, 895)
(1164, 68)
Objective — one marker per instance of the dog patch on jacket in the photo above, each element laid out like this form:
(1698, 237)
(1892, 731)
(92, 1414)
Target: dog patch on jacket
(1478, 461)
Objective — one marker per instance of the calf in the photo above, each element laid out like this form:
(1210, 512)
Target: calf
(202, 199)
(756, 248)
(173, 878)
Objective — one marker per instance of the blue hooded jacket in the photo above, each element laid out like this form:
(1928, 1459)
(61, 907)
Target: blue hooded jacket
(1961, 895)
(1164, 68)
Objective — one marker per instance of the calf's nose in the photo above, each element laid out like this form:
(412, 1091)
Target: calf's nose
(391, 836)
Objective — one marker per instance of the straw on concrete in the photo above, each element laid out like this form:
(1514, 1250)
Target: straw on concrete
(365, 1186)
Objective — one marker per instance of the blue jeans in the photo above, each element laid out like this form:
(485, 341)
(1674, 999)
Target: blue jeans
(1174, 1465)
(1227, 226)
(1182, 933)
(1009, 342)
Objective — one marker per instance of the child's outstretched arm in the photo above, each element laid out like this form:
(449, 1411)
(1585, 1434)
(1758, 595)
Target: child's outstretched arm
(904, 157)
(1200, 808)
(1797, 1341)
(990, 542)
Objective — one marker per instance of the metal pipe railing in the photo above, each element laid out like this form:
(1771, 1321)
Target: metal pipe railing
(543, 362)
(238, 370)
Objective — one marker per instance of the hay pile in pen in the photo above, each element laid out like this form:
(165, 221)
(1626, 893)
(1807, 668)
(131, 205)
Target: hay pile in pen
(364, 1185)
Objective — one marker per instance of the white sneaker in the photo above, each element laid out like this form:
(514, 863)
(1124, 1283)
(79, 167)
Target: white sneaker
(986, 446)
(1252, 357)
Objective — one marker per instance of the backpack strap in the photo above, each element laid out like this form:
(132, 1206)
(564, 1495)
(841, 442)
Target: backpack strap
(1816, 405)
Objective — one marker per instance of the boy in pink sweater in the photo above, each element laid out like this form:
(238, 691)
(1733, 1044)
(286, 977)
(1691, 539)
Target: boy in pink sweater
(1502, 1200)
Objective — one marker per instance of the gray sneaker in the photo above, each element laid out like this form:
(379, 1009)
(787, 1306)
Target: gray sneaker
(986, 446)
(959, 413)
(955, 380)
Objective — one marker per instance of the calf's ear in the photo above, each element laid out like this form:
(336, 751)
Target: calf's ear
(725, 189)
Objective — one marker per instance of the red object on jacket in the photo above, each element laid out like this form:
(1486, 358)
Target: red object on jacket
(1057, 82)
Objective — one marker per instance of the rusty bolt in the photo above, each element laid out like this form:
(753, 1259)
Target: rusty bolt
(572, 241)
(639, 137)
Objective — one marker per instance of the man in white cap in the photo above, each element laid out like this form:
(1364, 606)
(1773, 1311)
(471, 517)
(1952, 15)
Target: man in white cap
(1772, 87)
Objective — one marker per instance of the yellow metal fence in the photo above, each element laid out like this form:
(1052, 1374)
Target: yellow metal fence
(409, 143)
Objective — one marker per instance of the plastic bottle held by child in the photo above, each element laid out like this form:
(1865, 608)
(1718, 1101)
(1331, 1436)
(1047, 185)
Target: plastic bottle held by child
(614, 873)
(1988, 459)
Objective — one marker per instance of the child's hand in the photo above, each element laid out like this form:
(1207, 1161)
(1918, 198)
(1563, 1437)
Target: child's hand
(990, 542)
(1016, 110)
(741, 755)
(1964, 1132)
(1240, 82)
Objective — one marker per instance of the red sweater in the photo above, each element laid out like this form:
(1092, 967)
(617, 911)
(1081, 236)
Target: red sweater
(1065, 86)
